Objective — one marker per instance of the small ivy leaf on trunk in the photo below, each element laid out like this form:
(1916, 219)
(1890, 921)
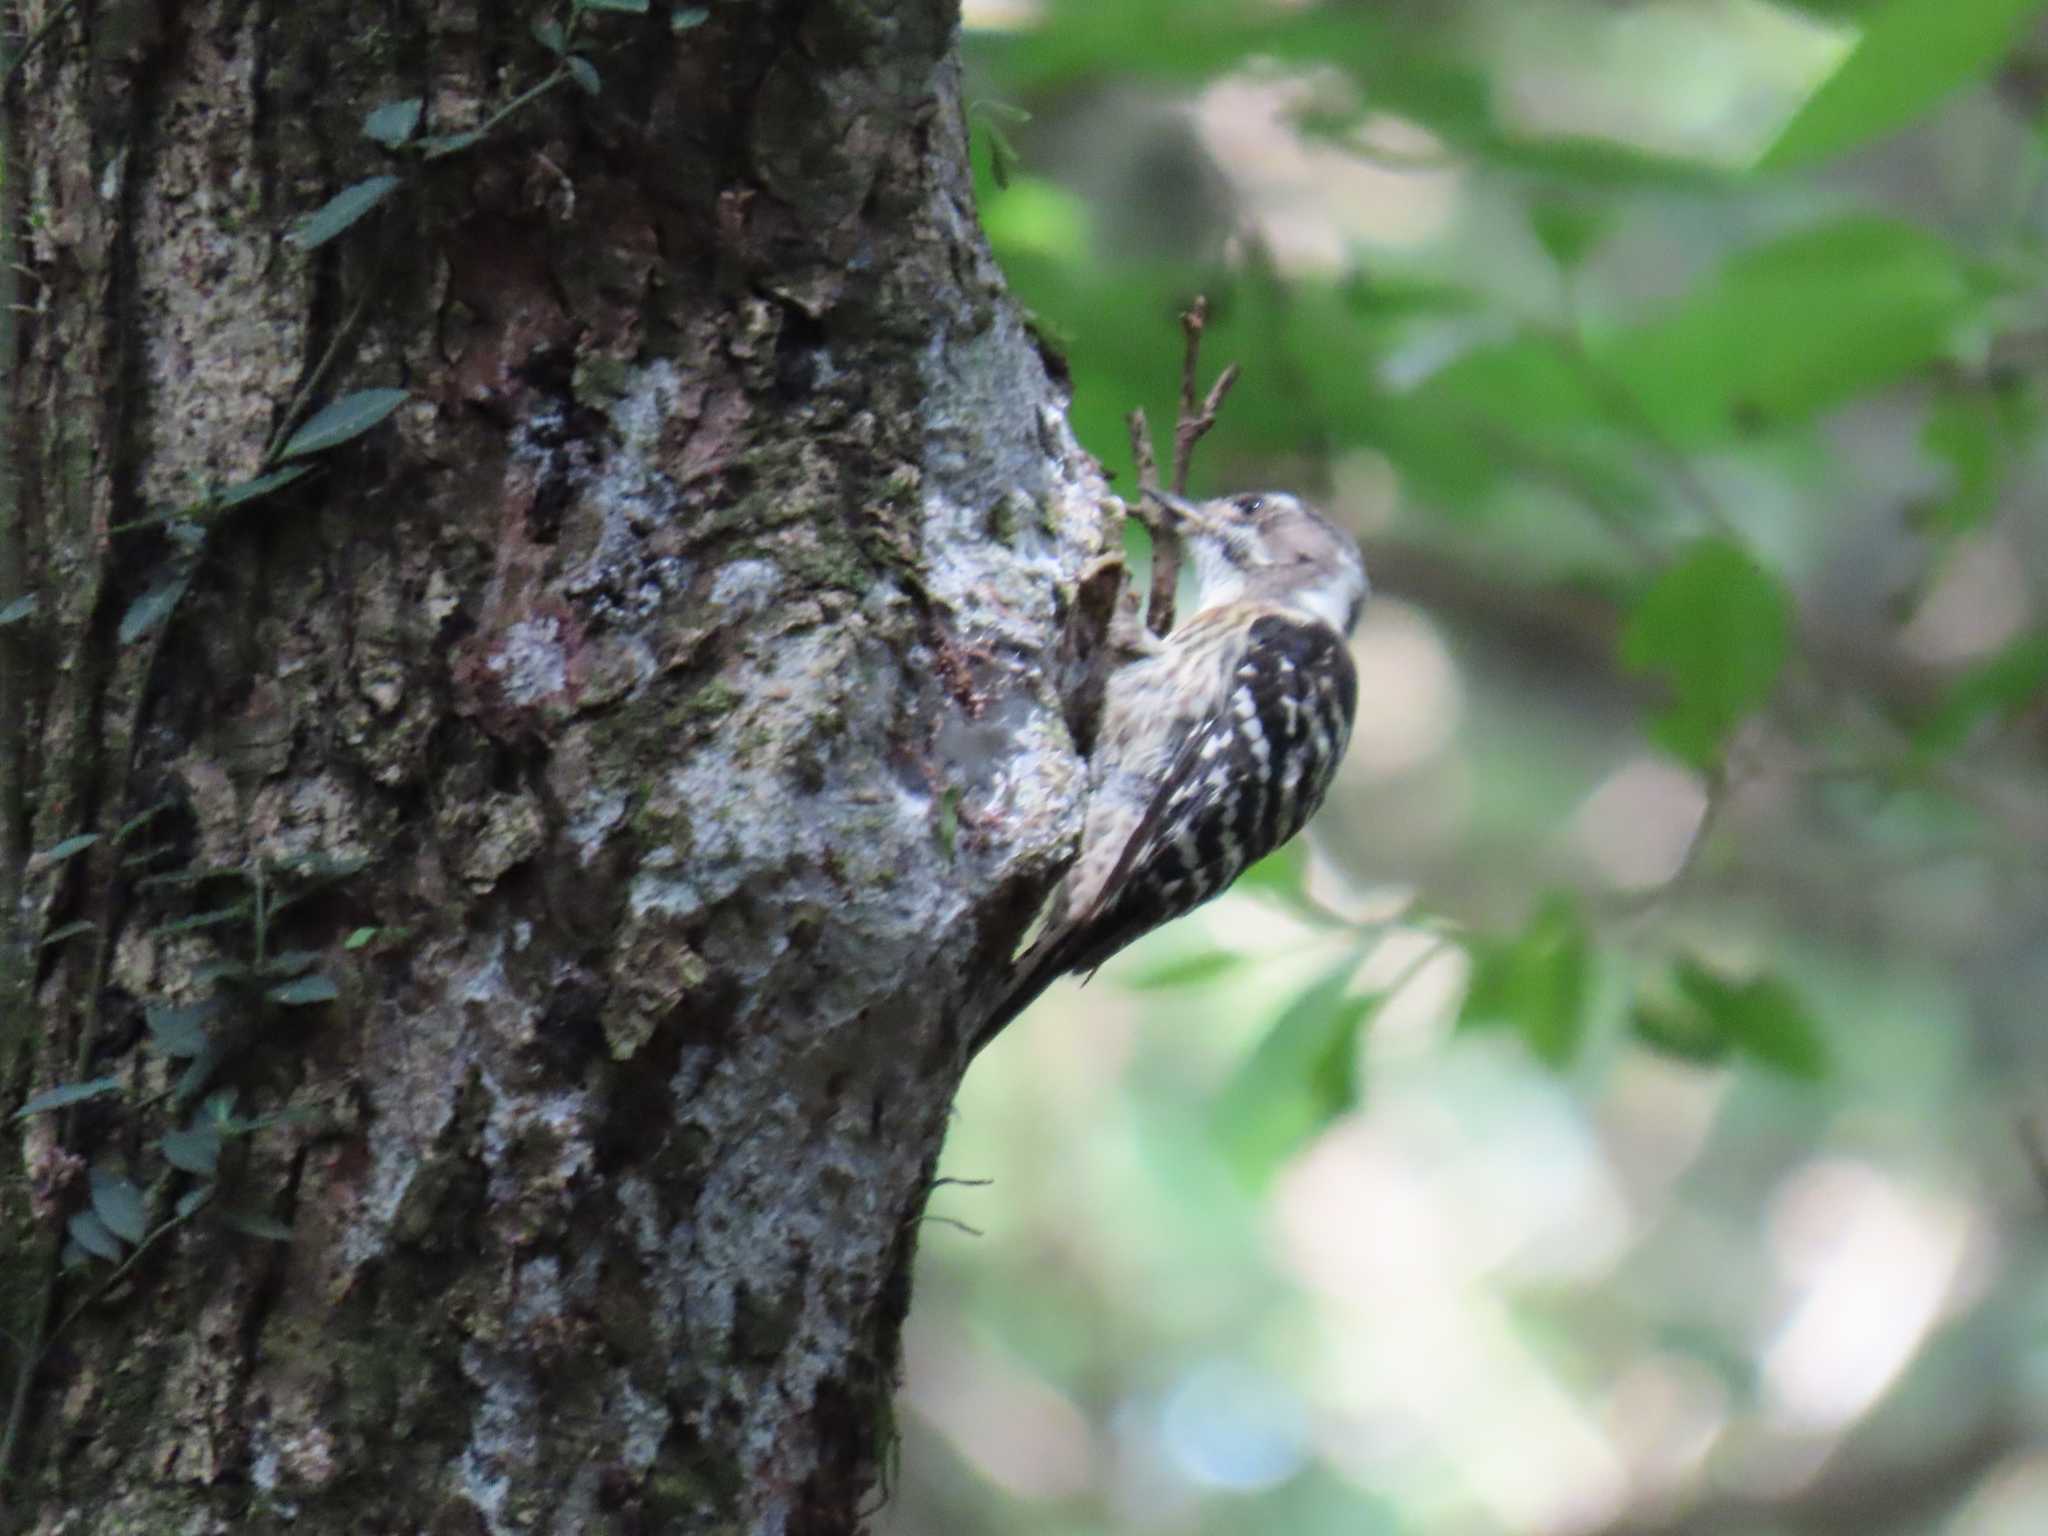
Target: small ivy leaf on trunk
(67, 1093)
(195, 1151)
(152, 608)
(200, 1073)
(394, 122)
(262, 485)
(341, 211)
(257, 1224)
(118, 1203)
(138, 821)
(91, 1234)
(305, 990)
(450, 143)
(59, 852)
(177, 1031)
(345, 419)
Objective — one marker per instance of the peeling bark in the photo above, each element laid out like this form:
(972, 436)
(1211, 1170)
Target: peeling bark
(679, 665)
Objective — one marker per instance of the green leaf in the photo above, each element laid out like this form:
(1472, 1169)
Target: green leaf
(289, 962)
(180, 1031)
(68, 931)
(1961, 431)
(1679, 1030)
(262, 485)
(341, 211)
(191, 875)
(199, 1073)
(343, 420)
(118, 1203)
(213, 918)
(67, 1093)
(1762, 1018)
(196, 1150)
(57, 853)
(394, 122)
(359, 938)
(584, 73)
(1003, 158)
(1996, 689)
(138, 821)
(1569, 229)
(549, 34)
(153, 607)
(451, 143)
(1536, 984)
(91, 1234)
(18, 610)
(1298, 1079)
(304, 991)
(684, 17)
(1783, 331)
(192, 1199)
(1717, 628)
(631, 7)
(1912, 54)
(257, 1224)
(325, 867)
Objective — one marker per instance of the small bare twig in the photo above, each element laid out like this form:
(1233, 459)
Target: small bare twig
(1141, 451)
(1195, 419)
(1197, 416)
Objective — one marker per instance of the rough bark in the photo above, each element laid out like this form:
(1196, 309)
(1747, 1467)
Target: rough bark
(675, 666)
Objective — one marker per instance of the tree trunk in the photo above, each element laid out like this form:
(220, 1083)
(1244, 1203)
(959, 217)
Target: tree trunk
(649, 730)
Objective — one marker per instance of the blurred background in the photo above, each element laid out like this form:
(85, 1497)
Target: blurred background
(1626, 1111)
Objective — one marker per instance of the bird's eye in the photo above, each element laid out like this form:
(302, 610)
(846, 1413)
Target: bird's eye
(1248, 504)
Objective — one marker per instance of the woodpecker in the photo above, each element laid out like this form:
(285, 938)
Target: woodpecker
(1218, 741)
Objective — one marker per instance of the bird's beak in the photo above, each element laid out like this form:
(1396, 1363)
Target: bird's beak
(1183, 512)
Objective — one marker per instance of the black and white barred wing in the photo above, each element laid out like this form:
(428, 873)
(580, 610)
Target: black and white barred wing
(1245, 781)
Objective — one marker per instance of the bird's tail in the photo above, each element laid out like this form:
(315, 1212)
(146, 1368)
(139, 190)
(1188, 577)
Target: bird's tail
(1038, 968)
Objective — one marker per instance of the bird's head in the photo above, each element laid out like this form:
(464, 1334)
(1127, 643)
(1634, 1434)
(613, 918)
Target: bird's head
(1268, 546)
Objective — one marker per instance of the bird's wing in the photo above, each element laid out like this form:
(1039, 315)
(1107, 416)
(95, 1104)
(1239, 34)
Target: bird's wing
(1244, 781)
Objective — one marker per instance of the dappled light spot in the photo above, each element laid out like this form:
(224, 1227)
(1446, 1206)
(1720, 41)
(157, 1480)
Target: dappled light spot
(1713, 82)
(1867, 1265)
(2012, 1502)
(1977, 604)
(1017, 1430)
(1638, 824)
(1385, 182)
(1410, 696)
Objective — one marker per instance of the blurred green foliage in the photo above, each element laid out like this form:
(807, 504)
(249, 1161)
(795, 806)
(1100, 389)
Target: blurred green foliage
(1619, 1121)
